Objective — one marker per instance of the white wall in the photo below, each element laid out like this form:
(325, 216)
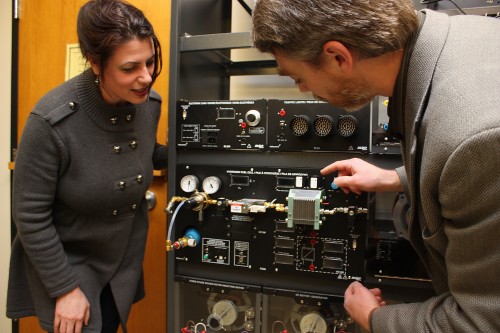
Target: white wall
(5, 108)
(257, 86)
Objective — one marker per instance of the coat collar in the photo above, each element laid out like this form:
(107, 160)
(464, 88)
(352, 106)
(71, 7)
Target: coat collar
(428, 47)
(108, 117)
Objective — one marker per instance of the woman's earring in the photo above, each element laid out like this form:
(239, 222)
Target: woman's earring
(96, 80)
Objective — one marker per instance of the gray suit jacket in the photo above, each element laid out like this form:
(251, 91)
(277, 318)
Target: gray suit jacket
(452, 176)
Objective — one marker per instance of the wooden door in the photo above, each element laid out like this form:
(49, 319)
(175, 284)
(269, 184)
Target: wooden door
(45, 28)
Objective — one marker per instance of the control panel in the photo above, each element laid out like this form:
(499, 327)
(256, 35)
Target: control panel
(222, 125)
(274, 125)
(311, 125)
(273, 221)
(258, 239)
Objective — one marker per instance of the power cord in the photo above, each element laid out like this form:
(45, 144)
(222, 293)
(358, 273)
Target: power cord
(427, 2)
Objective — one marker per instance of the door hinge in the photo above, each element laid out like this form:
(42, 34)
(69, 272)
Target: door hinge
(16, 9)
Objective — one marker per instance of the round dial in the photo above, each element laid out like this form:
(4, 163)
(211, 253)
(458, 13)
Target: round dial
(227, 312)
(313, 322)
(211, 184)
(189, 183)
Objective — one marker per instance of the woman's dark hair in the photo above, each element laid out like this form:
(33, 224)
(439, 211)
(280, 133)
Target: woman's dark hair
(104, 25)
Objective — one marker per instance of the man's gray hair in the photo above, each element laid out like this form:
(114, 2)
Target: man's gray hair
(301, 27)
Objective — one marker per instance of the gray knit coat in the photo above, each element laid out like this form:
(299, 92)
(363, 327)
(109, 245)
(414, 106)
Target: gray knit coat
(81, 173)
(451, 152)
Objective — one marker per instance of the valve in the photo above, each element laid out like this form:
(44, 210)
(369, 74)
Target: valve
(191, 238)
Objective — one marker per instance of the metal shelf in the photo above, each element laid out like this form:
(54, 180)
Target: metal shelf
(257, 67)
(222, 41)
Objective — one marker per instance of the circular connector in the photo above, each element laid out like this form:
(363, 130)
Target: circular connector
(323, 125)
(252, 117)
(300, 125)
(347, 126)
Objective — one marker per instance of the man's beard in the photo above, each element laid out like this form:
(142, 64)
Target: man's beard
(352, 97)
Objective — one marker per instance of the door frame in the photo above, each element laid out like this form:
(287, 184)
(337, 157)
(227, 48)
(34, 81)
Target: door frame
(6, 108)
(150, 313)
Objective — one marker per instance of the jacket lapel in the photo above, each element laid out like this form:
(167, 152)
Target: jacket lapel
(425, 56)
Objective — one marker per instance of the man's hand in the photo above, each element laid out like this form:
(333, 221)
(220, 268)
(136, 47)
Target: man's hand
(356, 175)
(72, 312)
(360, 302)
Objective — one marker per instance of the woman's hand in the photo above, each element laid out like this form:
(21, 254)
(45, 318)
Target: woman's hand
(356, 175)
(72, 312)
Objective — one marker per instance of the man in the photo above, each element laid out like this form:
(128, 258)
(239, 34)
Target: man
(442, 75)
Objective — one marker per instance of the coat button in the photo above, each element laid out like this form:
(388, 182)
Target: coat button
(129, 117)
(133, 207)
(117, 149)
(114, 212)
(133, 144)
(114, 120)
(139, 178)
(122, 185)
(73, 105)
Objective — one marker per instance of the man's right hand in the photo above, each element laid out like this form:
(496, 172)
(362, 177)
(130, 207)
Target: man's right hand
(356, 175)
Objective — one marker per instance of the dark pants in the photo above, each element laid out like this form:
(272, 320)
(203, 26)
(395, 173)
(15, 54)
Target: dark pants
(109, 312)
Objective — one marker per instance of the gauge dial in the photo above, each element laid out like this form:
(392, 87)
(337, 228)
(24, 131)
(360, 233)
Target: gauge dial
(189, 183)
(313, 322)
(227, 312)
(211, 184)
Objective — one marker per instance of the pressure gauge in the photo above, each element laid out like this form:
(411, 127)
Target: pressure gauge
(313, 322)
(226, 312)
(211, 184)
(189, 183)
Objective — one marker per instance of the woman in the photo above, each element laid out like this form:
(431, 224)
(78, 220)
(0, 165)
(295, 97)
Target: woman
(84, 163)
